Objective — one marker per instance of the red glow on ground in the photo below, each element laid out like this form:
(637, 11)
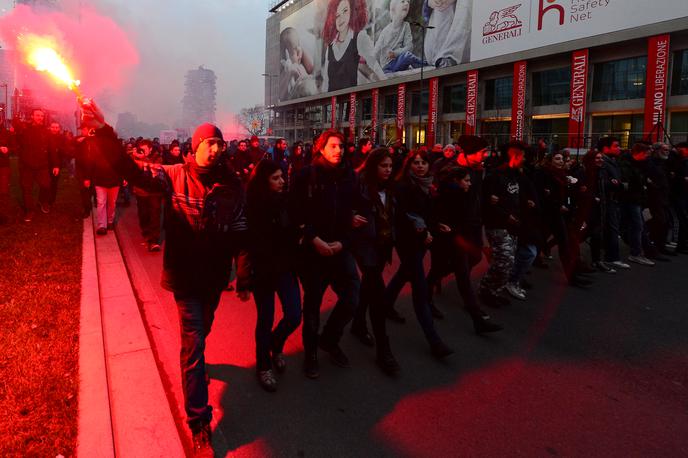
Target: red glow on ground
(523, 408)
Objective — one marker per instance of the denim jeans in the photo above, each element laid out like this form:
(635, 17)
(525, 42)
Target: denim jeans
(525, 255)
(411, 269)
(196, 314)
(371, 299)
(402, 62)
(632, 222)
(611, 232)
(286, 286)
(339, 272)
(150, 211)
(106, 200)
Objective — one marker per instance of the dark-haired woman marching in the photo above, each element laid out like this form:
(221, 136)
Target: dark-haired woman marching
(273, 243)
(413, 237)
(372, 241)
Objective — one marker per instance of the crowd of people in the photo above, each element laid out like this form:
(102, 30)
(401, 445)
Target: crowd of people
(330, 214)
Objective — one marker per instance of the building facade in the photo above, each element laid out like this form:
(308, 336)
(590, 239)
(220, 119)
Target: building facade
(569, 85)
(199, 104)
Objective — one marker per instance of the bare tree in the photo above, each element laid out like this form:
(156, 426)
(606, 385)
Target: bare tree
(253, 119)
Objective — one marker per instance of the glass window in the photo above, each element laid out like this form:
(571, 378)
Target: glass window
(390, 106)
(454, 99)
(414, 103)
(498, 93)
(552, 87)
(367, 108)
(679, 127)
(328, 113)
(555, 130)
(627, 128)
(619, 80)
(679, 80)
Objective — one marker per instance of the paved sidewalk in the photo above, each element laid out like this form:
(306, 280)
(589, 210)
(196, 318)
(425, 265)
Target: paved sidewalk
(123, 409)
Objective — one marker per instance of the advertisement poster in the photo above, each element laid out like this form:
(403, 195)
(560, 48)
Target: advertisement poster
(577, 102)
(432, 112)
(518, 100)
(330, 45)
(471, 102)
(507, 26)
(656, 87)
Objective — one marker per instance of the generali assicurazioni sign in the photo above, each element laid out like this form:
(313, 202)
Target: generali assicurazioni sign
(518, 100)
(401, 110)
(373, 120)
(656, 86)
(432, 111)
(352, 116)
(578, 101)
(471, 102)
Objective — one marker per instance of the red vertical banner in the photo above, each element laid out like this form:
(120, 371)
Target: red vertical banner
(401, 110)
(333, 104)
(656, 87)
(518, 100)
(432, 111)
(471, 102)
(373, 119)
(352, 116)
(577, 104)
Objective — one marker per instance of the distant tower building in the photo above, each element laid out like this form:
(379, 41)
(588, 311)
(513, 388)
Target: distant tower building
(198, 104)
(41, 4)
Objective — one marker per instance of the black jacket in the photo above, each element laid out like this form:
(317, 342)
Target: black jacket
(414, 209)
(372, 243)
(272, 238)
(322, 202)
(502, 182)
(35, 150)
(92, 154)
(632, 181)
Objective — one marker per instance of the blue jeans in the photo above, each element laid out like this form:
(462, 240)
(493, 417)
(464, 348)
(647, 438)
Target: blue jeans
(338, 271)
(525, 255)
(411, 269)
(610, 232)
(402, 62)
(632, 222)
(196, 314)
(286, 286)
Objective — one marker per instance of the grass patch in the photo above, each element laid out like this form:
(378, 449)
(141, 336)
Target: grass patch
(40, 288)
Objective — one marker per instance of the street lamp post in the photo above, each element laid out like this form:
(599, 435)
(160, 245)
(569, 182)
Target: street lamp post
(4, 113)
(270, 113)
(423, 28)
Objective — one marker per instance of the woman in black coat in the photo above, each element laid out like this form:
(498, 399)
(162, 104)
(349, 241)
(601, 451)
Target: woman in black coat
(272, 249)
(457, 213)
(372, 243)
(412, 222)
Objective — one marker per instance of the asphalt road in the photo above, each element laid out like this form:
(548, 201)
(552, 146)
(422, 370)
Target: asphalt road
(597, 372)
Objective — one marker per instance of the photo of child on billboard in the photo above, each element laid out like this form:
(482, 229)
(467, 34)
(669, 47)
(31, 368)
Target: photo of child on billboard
(330, 45)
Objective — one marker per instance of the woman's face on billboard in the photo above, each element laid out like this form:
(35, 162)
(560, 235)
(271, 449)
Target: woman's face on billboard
(342, 18)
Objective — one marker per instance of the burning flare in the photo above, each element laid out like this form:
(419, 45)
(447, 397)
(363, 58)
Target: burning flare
(39, 52)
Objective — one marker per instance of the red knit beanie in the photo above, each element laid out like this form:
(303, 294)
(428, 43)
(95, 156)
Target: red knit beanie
(204, 131)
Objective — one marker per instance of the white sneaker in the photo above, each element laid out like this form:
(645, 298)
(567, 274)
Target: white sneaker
(642, 260)
(619, 264)
(515, 291)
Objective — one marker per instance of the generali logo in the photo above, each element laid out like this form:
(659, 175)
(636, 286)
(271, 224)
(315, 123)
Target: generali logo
(502, 25)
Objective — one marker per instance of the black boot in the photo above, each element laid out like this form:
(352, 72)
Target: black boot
(385, 359)
(484, 325)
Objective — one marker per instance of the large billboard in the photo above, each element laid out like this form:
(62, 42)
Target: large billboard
(336, 44)
(507, 26)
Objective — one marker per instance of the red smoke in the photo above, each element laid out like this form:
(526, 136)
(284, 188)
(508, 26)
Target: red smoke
(97, 50)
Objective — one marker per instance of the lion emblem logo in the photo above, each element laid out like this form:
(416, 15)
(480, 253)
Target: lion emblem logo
(502, 20)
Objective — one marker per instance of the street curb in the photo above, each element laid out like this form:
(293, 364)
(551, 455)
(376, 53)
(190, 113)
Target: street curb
(137, 410)
(95, 428)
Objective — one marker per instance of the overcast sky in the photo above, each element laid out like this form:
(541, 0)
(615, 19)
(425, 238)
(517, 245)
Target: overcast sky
(227, 36)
